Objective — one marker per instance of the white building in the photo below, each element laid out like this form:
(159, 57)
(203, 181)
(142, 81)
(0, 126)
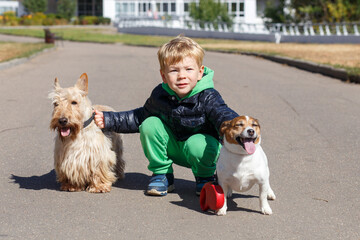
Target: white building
(244, 11)
(9, 5)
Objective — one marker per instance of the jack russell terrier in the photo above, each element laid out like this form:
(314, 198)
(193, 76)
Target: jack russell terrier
(242, 162)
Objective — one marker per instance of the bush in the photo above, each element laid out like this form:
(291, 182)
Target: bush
(38, 18)
(210, 11)
(89, 20)
(10, 19)
(105, 21)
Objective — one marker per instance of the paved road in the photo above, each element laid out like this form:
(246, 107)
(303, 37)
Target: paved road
(310, 133)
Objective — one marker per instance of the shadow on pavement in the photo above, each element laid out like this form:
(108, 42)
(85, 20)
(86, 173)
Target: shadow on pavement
(133, 181)
(46, 181)
(186, 191)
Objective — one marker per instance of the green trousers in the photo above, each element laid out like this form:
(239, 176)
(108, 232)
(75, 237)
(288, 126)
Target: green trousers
(199, 152)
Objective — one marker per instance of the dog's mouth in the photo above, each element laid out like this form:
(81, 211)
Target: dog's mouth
(65, 131)
(247, 143)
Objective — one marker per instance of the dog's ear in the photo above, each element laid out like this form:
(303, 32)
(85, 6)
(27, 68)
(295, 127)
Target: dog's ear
(82, 83)
(56, 83)
(224, 126)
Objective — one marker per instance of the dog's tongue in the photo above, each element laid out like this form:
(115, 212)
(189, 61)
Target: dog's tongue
(65, 132)
(249, 146)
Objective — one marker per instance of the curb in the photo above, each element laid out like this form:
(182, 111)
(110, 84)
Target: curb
(337, 73)
(18, 61)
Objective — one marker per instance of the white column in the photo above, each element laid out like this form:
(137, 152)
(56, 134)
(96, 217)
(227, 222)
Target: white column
(179, 8)
(250, 11)
(109, 9)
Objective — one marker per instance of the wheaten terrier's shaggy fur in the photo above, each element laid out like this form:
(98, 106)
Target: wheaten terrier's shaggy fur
(85, 157)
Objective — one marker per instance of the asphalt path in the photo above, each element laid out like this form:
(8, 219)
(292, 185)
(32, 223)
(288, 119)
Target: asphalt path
(310, 133)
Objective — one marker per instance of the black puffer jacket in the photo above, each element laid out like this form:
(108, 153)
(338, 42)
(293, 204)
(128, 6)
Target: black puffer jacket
(203, 111)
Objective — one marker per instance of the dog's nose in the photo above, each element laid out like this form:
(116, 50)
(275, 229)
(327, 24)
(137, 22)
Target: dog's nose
(63, 121)
(251, 132)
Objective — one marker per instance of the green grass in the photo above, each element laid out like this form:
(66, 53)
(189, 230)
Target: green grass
(104, 35)
(10, 51)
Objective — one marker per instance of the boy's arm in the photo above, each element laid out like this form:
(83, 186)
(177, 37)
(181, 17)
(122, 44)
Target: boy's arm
(124, 122)
(217, 111)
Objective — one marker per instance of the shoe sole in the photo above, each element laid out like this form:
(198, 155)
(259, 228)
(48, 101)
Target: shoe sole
(154, 192)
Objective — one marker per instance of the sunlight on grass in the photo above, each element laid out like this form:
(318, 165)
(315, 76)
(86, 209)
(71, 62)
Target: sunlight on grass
(337, 55)
(9, 51)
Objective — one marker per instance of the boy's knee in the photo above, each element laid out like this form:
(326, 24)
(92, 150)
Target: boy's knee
(150, 125)
(203, 147)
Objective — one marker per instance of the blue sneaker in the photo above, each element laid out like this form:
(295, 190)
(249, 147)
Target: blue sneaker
(200, 182)
(161, 184)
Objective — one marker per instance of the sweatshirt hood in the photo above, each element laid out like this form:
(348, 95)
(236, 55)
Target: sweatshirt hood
(206, 82)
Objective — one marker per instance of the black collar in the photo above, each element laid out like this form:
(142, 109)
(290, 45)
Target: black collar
(87, 122)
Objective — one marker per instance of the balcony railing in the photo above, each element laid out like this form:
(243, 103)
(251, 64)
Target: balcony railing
(308, 29)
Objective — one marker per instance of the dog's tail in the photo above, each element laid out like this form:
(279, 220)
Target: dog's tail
(118, 149)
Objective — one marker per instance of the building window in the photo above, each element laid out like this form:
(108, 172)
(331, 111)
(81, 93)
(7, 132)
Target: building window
(90, 7)
(241, 13)
(173, 7)
(233, 7)
(165, 7)
(236, 9)
(125, 9)
(186, 7)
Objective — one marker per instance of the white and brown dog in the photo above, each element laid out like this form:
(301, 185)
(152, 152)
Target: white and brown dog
(242, 161)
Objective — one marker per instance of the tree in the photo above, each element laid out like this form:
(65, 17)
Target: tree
(209, 11)
(66, 8)
(315, 11)
(34, 6)
(275, 13)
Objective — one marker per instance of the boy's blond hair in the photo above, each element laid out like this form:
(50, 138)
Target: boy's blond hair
(179, 48)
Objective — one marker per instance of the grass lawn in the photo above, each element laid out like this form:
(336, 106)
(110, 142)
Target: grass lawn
(10, 50)
(345, 56)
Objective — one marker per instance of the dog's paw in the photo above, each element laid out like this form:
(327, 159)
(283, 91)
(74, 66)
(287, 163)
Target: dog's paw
(221, 212)
(266, 210)
(70, 188)
(98, 189)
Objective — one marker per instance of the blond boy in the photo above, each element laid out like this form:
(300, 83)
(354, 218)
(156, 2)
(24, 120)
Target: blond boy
(180, 121)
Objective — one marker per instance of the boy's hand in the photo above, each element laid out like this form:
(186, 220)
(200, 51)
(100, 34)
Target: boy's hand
(99, 119)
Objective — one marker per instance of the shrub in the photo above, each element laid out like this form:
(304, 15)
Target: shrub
(38, 18)
(9, 19)
(104, 20)
(89, 20)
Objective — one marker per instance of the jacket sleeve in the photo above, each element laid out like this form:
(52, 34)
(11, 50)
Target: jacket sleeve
(217, 111)
(124, 122)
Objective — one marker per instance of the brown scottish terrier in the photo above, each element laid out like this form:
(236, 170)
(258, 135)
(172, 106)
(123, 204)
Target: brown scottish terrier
(85, 157)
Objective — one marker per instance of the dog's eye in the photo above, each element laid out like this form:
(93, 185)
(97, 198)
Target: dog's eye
(73, 102)
(56, 104)
(239, 125)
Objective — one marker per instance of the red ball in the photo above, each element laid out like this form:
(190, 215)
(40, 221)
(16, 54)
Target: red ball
(211, 196)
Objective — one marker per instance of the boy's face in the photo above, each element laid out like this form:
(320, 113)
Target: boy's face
(183, 76)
